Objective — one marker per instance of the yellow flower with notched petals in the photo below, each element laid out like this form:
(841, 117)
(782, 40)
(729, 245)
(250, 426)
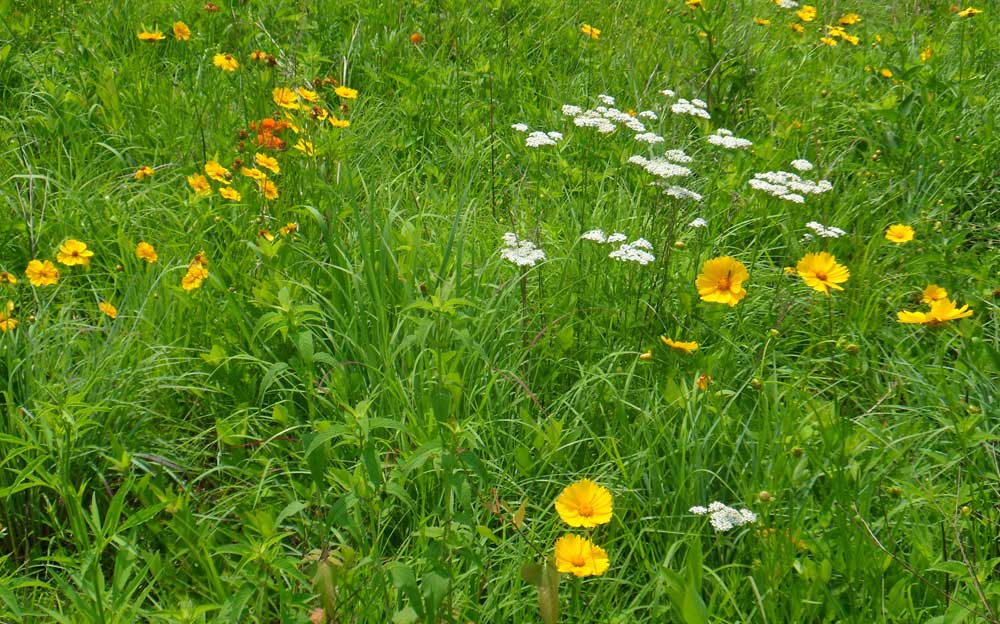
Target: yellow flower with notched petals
(721, 281)
(941, 311)
(346, 92)
(307, 95)
(109, 310)
(969, 12)
(677, 345)
(285, 98)
(267, 162)
(42, 273)
(145, 251)
(305, 147)
(590, 31)
(143, 171)
(268, 189)
(7, 322)
(899, 234)
(74, 253)
(7, 278)
(151, 36)
(231, 194)
(181, 31)
(933, 293)
(821, 272)
(199, 184)
(585, 504)
(217, 172)
(579, 556)
(225, 62)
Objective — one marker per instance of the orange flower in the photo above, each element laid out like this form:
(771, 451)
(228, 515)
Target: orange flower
(145, 251)
(181, 31)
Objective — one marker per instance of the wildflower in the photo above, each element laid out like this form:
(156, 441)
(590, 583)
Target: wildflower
(721, 281)
(585, 504)
(590, 31)
(258, 55)
(646, 357)
(695, 108)
(211, 7)
(145, 251)
(899, 234)
(217, 172)
(694, 4)
(829, 41)
(724, 138)
(151, 36)
(969, 12)
(698, 223)
(416, 38)
(941, 311)
(519, 127)
(181, 31)
(679, 192)
(703, 381)
(925, 54)
(42, 273)
(633, 252)
(143, 171)
(73, 253)
(289, 228)
(824, 231)
(849, 19)
(606, 99)
(539, 138)
(802, 165)
(786, 4)
(267, 162)
(269, 131)
(851, 39)
(346, 92)
(231, 194)
(596, 236)
(109, 310)
(649, 137)
(761, 22)
(197, 272)
(580, 556)
(7, 278)
(617, 237)
(225, 62)
(267, 189)
(266, 235)
(821, 272)
(885, 72)
(660, 167)
(254, 174)
(306, 147)
(676, 345)
(807, 13)
(339, 123)
(199, 184)
(520, 252)
(7, 323)
(306, 94)
(668, 93)
(933, 293)
(285, 98)
(797, 27)
(723, 517)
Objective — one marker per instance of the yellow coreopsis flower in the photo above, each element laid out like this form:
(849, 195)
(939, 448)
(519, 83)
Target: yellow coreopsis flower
(590, 31)
(933, 293)
(267, 162)
(677, 345)
(230, 193)
(145, 251)
(851, 39)
(285, 98)
(899, 233)
(181, 31)
(761, 21)
(721, 281)
(258, 55)
(217, 172)
(346, 92)
(254, 174)
(154, 36)
(849, 19)
(830, 41)
(821, 272)
(305, 147)
(7, 322)
(579, 556)
(109, 310)
(42, 273)
(289, 228)
(694, 4)
(143, 171)
(585, 504)
(225, 62)
(339, 123)
(268, 189)
(7, 278)
(969, 12)
(926, 54)
(807, 13)
(799, 28)
(197, 272)
(73, 253)
(307, 95)
(885, 72)
(199, 184)
(941, 311)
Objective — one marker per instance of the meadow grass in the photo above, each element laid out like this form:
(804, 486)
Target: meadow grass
(367, 419)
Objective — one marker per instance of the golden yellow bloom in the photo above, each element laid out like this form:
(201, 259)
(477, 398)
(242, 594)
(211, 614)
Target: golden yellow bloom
(254, 174)
(761, 21)
(933, 293)
(339, 123)
(267, 162)
(346, 92)
(7, 322)
(807, 13)
(676, 345)
(181, 31)
(585, 504)
(268, 189)
(821, 272)
(42, 273)
(829, 41)
(851, 39)
(703, 381)
(151, 36)
(941, 311)
(721, 281)
(885, 72)
(289, 228)
(109, 310)
(73, 253)
(694, 4)
(926, 53)
(849, 19)
(590, 31)
(580, 556)
(196, 273)
(899, 233)
(225, 62)
(307, 95)
(305, 147)
(799, 28)
(646, 357)
(969, 12)
(285, 98)
(7, 278)
(835, 31)
(217, 172)
(145, 251)
(265, 234)
(258, 55)
(230, 193)
(143, 172)
(199, 184)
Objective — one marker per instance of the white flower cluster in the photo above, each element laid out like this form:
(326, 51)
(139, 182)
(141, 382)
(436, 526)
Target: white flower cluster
(606, 99)
(598, 236)
(677, 156)
(802, 165)
(660, 167)
(649, 137)
(668, 93)
(571, 111)
(695, 108)
(636, 251)
(679, 192)
(520, 252)
(519, 127)
(724, 138)
(787, 4)
(539, 138)
(698, 223)
(824, 231)
(788, 186)
(723, 518)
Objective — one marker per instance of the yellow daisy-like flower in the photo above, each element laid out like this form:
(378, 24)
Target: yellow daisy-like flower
(849, 19)
(109, 310)
(590, 31)
(677, 345)
(154, 35)
(230, 193)
(885, 72)
(721, 281)
(851, 39)
(305, 147)
(579, 556)
(806, 13)
(760, 21)
(143, 172)
(258, 55)
(307, 95)
(933, 293)
(181, 31)
(7, 278)
(199, 184)
(285, 98)
(830, 41)
(7, 322)
(926, 54)
(225, 62)
(799, 28)
(339, 123)
(646, 357)
(42, 273)
(74, 253)
(289, 228)
(695, 4)
(265, 234)
(821, 272)
(145, 251)
(217, 172)
(268, 189)
(941, 312)
(899, 234)
(969, 12)
(346, 92)
(254, 174)
(267, 162)
(197, 272)
(585, 504)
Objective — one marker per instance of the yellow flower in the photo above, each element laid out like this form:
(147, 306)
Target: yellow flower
(181, 31)
(590, 31)
(797, 27)
(761, 21)
(307, 95)
(196, 273)
(231, 194)
(263, 233)
(225, 62)
(676, 345)
(585, 504)
(7, 323)
(926, 53)
(258, 55)
(73, 253)
(835, 31)
(109, 310)
(829, 41)
(933, 293)
(346, 92)
(267, 162)
(199, 184)
(646, 357)
(849, 19)
(289, 228)
(703, 381)
(306, 147)
(268, 189)
(721, 281)
(145, 251)
(851, 39)
(694, 4)
(941, 311)
(217, 172)
(807, 13)
(969, 12)
(143, 172)
(8, 278)
(339, 123)
(151, 36)
(885, 72)
(254, 174)
(899, 233)
(42, 273)
(821, 272)
(285, 98)
(580, 556)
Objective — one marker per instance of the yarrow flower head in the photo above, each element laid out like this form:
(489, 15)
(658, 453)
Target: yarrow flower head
(821, 272)
(724, 138)
(694, 108)
(721, 281)
(802, 165)
(585, 504)
(579, 556)
(596, 236)
(824, 231)
(519, 127)
(520, 252)
(636, 251)
(539, 138)
(723, 517)
(698, 223)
